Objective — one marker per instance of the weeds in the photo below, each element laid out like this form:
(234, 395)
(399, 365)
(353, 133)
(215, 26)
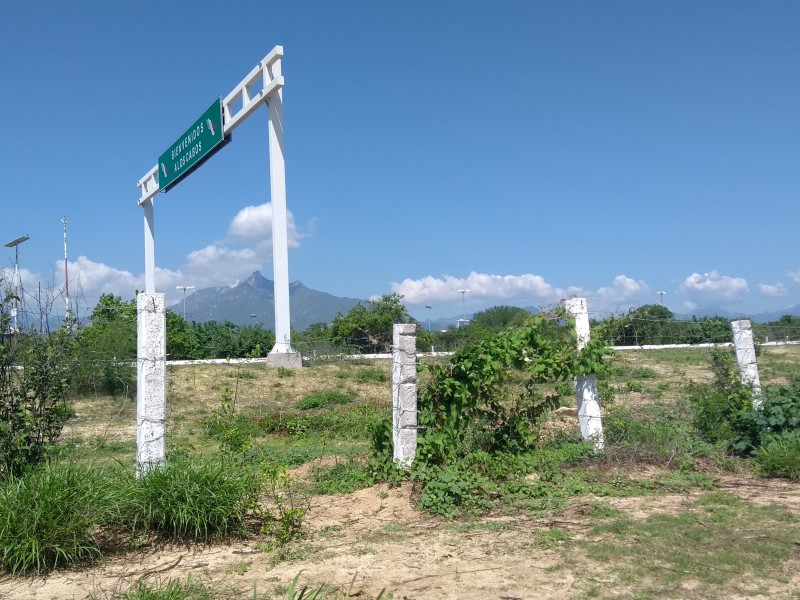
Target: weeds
(171, 589)
(196, 500)
(322, 400)
(49, 517)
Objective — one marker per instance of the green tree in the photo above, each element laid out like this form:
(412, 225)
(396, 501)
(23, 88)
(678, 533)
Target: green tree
(34, 375)
(105, 350)
(181, 342)
(368, 327)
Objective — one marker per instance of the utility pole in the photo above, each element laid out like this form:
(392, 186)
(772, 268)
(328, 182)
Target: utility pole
(184, 288)
(68, 314)
(463, 306)
(17, 278)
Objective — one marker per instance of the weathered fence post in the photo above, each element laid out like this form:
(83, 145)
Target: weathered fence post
(151, 378)
(746, 358)
(589, 416)
(404, 394)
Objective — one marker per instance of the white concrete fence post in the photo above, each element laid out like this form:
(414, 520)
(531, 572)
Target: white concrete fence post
(151, 377)
(588, 402)
(404, 394)
(745, 350)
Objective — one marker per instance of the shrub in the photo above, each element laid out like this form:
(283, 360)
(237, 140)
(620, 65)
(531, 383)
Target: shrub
(779, 414)
(49, 516)
(198, 500)
(34, 374)
(716, 405)
(779, 456)
(487, 398)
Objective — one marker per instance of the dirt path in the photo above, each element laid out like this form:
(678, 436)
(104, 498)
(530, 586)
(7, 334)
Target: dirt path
(375, 539)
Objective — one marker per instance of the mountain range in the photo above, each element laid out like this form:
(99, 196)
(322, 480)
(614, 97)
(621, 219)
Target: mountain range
(253, 301)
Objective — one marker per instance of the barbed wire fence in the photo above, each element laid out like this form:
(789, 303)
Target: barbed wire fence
(105, 362)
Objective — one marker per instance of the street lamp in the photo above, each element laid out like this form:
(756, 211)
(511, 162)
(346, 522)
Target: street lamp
(428, 306)
(17, 277)
(463, 306)
(184, 288)
(661, 297)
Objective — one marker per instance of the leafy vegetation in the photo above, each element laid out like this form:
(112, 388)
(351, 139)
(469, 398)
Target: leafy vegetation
(368, 327)
(323, 400)
(34, 383)
(49, 517)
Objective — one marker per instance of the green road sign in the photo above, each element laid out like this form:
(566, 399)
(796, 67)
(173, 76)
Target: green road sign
(192, 148)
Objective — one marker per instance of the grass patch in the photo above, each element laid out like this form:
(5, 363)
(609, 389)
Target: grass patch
(49, 517)
(779, 457)
(323, 400)
(194, 500)
(171, 589)
(371, 375)
(716, 549)
(342, 477)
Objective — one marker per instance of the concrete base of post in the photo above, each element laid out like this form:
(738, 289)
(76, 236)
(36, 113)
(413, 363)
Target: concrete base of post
(151, 381)
(287, 360)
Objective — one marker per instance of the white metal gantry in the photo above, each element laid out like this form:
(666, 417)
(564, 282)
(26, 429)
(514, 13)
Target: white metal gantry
(263, 85)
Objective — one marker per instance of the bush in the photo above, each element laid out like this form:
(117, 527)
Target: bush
(34, 374)
(198, 500)
(779, 415)
(717, 405)
(779, 456)
(49, 517)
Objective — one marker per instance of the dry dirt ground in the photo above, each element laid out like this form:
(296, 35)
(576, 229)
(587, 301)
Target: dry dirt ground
(375, 539)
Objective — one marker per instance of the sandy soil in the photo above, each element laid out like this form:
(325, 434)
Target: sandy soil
(374, 539)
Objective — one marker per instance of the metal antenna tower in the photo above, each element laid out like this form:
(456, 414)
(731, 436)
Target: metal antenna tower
(66, 272)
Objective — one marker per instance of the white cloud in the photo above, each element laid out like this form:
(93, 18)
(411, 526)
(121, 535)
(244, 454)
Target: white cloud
(480, 286)
(794, 275)
(713, 286)
(253, 225)
(485, 289)
(93, 279)
(28, 278)
(623, 290)
(217, 265)
(773, 291)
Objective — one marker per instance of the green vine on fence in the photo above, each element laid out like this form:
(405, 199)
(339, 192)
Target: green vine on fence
(487, 399)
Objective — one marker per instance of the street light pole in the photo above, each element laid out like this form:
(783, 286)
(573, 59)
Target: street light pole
(184, 288)
(17, 276)
(464, 306)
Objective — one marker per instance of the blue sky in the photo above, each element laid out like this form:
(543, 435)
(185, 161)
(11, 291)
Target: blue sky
(527, 151)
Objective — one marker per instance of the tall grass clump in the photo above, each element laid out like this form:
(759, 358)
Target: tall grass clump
(171, 589)
(198, 500)
(779, 457)
(49, 517)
